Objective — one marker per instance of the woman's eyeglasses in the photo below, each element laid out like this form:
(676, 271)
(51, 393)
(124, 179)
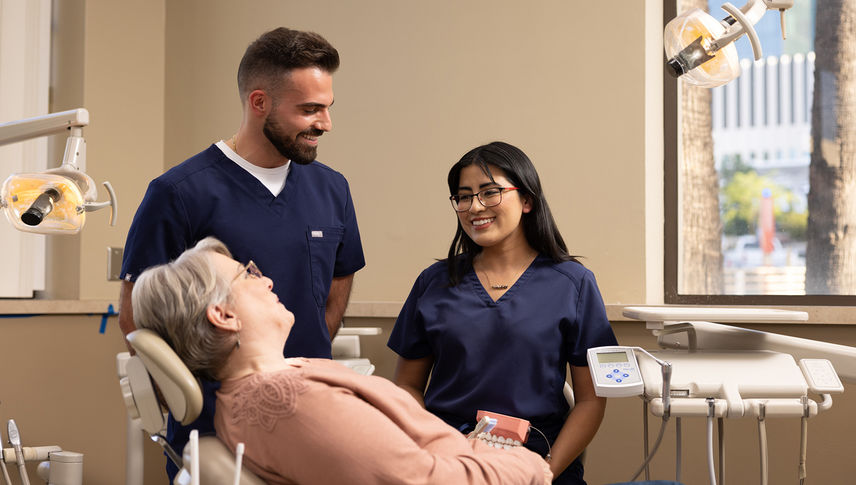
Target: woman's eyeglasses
(249, 270)
(487, 197)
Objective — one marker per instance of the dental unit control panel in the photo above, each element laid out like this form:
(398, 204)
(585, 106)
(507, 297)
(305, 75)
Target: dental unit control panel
(615, 372)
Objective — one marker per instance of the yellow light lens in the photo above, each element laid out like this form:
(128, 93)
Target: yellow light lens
(20, 191)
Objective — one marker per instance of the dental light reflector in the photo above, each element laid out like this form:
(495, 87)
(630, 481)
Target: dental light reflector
(44, 203)
(689, 40)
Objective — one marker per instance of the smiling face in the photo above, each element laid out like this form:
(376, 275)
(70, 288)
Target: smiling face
(497, 226)
(300, 114)
(252, 300)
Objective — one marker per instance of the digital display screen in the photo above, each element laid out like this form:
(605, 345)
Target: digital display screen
(611, 357)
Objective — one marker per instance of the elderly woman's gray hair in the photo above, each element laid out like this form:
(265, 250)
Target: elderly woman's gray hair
(172, 299)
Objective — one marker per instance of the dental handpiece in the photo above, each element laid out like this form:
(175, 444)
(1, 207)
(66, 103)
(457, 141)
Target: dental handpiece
(6, 478)
(15, 441)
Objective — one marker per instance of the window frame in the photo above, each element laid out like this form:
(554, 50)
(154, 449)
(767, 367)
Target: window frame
(671, 214)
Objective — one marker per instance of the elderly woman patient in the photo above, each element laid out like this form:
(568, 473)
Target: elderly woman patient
(307, 421)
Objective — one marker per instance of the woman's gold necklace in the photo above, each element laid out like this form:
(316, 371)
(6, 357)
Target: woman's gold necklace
(505, 286)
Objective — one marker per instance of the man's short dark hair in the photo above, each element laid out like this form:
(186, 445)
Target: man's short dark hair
(279, 51)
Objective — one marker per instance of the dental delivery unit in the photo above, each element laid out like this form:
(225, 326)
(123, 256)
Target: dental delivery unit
(715, 371)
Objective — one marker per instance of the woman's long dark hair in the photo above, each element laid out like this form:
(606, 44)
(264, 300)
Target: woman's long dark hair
(539, 227)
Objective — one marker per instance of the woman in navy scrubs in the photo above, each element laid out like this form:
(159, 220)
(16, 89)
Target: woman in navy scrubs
(496, 323)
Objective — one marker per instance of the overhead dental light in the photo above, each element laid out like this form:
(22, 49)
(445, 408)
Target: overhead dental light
(54, 201)
(700, 49)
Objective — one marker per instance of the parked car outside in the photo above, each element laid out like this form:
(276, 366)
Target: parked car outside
(746, 252)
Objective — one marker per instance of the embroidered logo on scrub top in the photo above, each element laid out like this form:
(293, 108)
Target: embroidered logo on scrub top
(265, 398)
(317, 233)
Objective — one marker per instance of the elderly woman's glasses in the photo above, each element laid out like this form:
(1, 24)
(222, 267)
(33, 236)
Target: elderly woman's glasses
(488, 198)
(249, 270)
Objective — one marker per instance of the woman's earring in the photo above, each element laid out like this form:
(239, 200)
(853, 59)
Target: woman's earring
(238, 341)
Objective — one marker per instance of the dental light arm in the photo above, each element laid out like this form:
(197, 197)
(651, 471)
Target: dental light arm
(28, 128)
(701, 50)
(54, 201)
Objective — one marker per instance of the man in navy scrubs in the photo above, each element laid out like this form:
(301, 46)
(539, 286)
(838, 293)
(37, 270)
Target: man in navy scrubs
(265, 196)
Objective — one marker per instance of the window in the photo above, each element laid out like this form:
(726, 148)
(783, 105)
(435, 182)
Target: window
(757, 170)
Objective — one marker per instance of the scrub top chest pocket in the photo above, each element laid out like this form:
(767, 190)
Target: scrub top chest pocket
(323, 244)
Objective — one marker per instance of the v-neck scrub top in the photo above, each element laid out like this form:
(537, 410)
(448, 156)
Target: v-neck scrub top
(507, 356)
(300, 239)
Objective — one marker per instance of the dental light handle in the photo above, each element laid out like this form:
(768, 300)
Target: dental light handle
(744, 26)
(112, 203)
(15, 441)
(41, 207)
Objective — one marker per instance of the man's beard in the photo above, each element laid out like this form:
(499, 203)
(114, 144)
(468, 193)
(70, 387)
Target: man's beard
(289, 148)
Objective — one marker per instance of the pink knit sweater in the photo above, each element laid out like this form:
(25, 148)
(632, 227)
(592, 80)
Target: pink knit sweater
(320, 423)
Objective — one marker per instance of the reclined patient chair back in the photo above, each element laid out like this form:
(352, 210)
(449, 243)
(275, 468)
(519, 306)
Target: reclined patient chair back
(183, 395)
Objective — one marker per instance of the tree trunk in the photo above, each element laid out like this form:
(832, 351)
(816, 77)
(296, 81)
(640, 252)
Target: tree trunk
(700, 245)
(831, 246)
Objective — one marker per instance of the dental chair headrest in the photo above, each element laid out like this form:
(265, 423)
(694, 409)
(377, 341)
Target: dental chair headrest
(178, 387)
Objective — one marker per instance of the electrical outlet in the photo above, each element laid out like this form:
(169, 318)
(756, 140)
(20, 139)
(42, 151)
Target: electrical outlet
(114, 263)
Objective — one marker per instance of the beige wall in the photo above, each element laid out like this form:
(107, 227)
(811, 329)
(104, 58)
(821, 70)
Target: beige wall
(420, 83)
(423, 82)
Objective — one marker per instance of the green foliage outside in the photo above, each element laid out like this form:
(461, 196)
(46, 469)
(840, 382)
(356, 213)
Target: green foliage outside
(741, 200)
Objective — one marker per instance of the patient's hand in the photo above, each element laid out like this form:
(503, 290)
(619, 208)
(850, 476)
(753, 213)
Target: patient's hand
(548, 475)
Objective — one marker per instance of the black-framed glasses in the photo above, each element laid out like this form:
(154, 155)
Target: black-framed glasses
(487, 197)
(249, 270)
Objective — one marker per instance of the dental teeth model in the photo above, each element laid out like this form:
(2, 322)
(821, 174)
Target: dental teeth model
(498, 441)
(501, 431)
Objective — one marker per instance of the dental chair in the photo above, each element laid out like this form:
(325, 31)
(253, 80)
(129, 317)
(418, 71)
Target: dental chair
(180, 391)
